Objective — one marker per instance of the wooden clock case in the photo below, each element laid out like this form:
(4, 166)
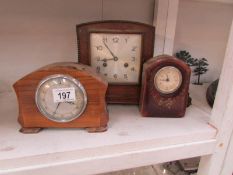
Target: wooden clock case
(95, 116)
(156, 104)
(117, 93)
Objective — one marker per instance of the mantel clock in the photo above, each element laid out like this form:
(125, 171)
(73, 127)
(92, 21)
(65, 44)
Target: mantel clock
(62, 95)
(165, 85)
(117, 50)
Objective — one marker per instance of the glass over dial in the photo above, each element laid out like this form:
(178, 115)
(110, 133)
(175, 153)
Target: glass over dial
(61, 98)
(117, 56)
(168, 79)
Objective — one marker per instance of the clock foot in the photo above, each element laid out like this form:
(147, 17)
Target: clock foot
(30, 130)
(97, 129)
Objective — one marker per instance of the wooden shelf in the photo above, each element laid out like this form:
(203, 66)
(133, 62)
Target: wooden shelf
(130, 141)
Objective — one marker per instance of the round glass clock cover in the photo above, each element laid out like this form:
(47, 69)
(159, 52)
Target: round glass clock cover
(168, 79)
(61, 98)
(117, 56)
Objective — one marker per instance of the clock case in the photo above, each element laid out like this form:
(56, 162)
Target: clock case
(155, 104)
(95, 116)
(117, 93)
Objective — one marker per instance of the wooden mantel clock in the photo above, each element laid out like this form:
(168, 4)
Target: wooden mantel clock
(62, 95)
(165, 85)
(117, 50)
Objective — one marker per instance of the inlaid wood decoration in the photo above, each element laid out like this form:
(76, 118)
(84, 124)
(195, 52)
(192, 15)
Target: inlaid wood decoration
(165, 85)
(117, 50)
(62, 95)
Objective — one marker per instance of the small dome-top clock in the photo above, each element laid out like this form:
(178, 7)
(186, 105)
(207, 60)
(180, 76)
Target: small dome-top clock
(117, 50)
(62, 95)
(165, 85)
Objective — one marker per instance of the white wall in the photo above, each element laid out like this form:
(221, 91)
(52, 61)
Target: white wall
(139, 10)
(34, 33)
(202, 29)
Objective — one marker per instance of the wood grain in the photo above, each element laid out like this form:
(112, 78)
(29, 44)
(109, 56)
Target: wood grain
(95, 114)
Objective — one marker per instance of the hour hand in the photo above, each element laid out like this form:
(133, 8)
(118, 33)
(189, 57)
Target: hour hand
(105, 59)
(70, 102)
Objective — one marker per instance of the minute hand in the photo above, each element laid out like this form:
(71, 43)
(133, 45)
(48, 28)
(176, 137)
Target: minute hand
(114, 56)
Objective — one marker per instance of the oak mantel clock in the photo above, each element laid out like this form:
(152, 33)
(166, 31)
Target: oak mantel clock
(117, 50)
(165, 85)
(62, 95)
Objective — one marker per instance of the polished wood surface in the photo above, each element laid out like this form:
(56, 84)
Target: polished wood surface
(95, 115)
(156, 104)
(117, 93)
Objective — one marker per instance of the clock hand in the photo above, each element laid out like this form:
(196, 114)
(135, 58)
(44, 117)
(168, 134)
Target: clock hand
(105, 59)
(69, 102)
(163, 79)
(56, 108)
(114, 56)
(167, 78)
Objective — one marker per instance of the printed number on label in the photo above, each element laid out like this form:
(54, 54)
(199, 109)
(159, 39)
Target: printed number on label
(64, 95)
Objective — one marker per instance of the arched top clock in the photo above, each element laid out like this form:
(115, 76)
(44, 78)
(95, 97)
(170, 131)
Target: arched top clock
(117, 50)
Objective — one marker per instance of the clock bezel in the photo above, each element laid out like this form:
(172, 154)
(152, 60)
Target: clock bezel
(73, 80)
(118, 93)
(177, 87)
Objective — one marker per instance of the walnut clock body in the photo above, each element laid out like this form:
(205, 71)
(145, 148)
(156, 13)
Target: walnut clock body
(117, 50)
(62, 95)
(165, 85)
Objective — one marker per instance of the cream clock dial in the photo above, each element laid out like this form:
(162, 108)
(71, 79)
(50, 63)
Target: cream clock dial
(168, 79)
(61, 98)
(117, 56)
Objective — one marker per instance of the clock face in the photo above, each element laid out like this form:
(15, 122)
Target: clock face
(61, 98)
(117, 56)
(168, 79)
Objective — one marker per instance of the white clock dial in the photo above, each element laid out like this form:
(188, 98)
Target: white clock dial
(168, 79)
(61, 98)
(117, 56)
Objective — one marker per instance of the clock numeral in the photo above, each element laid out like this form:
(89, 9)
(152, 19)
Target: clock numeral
(98, 69)
(125, 76)
(132, 69)
(134, 48)
(115, 39)
(105, 39)
(133, 58)
(99, 47)
(115, 76)
(126, 40)
(105, 74)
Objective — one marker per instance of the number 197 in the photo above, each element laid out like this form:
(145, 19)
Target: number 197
(64, 95)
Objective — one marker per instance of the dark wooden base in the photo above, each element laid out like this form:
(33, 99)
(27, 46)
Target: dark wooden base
(30, 130)
(98, 129)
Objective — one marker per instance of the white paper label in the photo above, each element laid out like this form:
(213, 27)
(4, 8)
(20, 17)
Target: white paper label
(64, 95)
